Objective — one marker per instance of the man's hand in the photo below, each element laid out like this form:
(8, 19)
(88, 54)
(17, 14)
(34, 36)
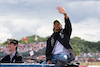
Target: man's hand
(61, 10)
(49, 62)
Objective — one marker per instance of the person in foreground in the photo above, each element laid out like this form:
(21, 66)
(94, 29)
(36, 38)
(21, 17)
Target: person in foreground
(14, 56)
(58, 44)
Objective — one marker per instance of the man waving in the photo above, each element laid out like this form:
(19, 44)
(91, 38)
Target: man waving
(58, 44)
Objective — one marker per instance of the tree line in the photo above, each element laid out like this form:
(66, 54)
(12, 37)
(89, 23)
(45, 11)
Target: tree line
(79, 45)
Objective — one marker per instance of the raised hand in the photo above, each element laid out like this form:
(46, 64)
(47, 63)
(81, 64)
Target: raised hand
(61, 10)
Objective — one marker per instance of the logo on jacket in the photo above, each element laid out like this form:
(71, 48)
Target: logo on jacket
(61, 34)
(52, 41)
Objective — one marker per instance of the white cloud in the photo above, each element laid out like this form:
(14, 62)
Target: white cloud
(4, 33)
(80, 10)
(27, 24)
(28, 17)
(19, 26)
(8, 1)
(45, 30)
(17, 1)
(87, 29)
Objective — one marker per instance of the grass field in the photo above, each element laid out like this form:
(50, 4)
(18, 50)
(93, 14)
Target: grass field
(90, 63)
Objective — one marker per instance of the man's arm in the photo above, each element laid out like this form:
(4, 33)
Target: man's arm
(68, 28)
(48, 52)
(5, 59)
(20, 59)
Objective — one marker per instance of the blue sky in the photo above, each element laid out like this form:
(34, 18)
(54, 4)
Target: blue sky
(20, 18)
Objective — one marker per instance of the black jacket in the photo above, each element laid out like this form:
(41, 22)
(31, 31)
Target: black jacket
(63, 36)
(16, 59)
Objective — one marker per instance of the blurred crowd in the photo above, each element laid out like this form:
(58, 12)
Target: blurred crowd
(89, 54)
(88, 57)
(25, 47)
(83, 57)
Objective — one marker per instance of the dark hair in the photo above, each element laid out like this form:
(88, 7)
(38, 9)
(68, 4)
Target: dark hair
(56, 21)
(16, 47)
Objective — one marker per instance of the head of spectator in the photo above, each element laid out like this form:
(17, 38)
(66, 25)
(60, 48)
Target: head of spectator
(12, 45)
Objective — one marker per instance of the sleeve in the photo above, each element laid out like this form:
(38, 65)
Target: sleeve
(2, 60)
(48, 50)
(20, 59)
(68, 27)
(5, 59)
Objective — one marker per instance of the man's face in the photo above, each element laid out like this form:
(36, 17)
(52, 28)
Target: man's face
(57, 26)
(11, 47)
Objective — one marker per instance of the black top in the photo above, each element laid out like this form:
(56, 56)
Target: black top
(16, 59)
